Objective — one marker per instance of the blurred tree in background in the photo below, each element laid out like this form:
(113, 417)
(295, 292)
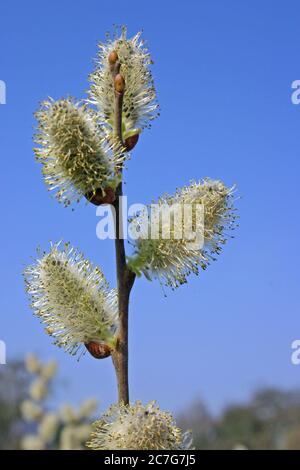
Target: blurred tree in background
(14, 381)
(27, 422)
(270, 420)
(63, 428)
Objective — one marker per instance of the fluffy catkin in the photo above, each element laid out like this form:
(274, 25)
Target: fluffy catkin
(137, 427)
(72, 299)
(173, 258)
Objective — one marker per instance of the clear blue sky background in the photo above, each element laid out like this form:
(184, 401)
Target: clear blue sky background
(223, 71)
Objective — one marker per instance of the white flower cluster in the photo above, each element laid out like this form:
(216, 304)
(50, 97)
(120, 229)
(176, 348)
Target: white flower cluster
(140, 106)
(137, 427)
(72, 298)
(77, 158)
(172, 259)
(66, 428)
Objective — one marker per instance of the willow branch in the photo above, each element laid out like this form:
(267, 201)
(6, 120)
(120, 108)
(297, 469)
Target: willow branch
(125, 277)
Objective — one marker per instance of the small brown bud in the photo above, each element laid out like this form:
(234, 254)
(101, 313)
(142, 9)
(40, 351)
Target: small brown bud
(98, 350)
(97, 198)
(113, 57)
(119, 83)
(131, 142)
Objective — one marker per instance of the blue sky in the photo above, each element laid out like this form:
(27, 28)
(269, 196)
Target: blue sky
(223, 73)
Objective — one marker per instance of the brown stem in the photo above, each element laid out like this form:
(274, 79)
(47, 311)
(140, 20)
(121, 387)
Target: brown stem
(125, 277)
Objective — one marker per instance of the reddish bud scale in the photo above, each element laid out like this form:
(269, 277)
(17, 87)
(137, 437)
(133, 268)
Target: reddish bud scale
(97, 198)
(131, 142)
(98, 350)
(119, 83)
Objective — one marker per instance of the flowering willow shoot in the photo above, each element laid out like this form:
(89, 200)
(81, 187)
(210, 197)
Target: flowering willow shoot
(83, 147)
